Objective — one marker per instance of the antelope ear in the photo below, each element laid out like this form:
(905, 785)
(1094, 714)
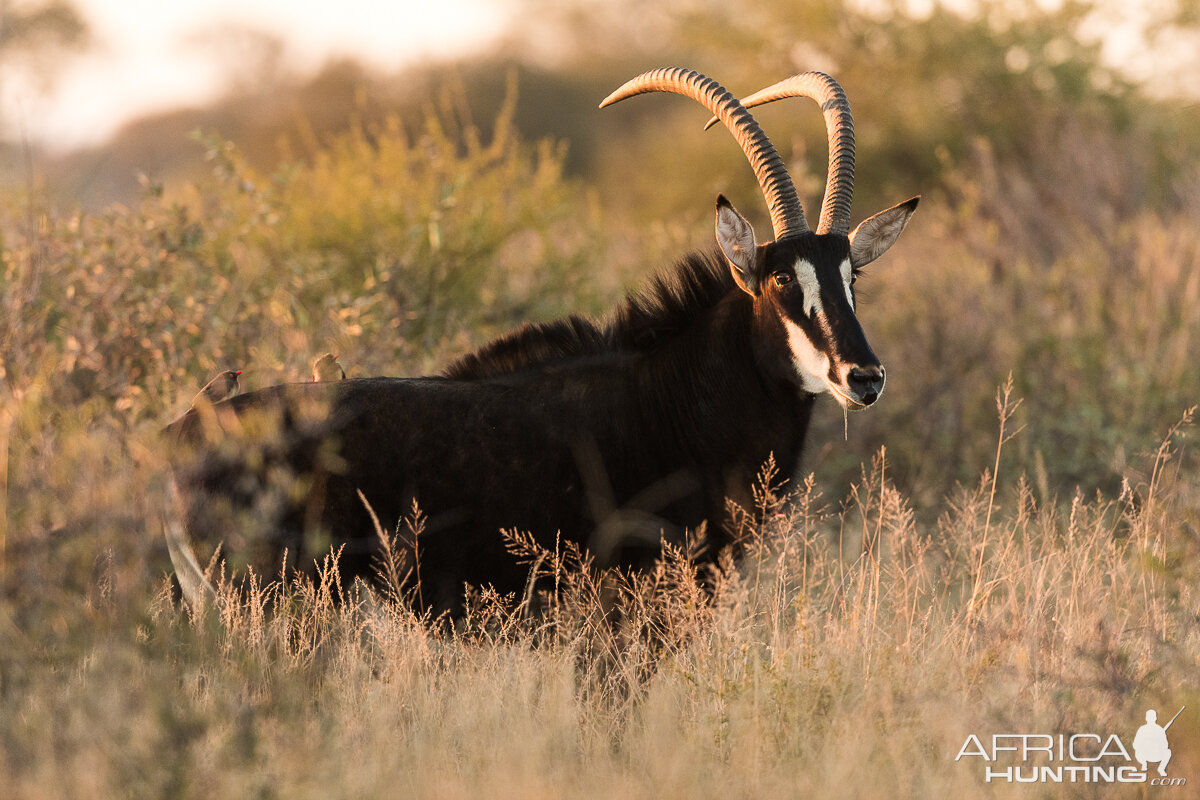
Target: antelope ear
(876, 234)
(736, 238)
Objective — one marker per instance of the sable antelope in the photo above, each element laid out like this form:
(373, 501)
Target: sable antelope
(616, 435)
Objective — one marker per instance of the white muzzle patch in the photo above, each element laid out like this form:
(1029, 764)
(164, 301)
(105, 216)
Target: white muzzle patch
(811, 364)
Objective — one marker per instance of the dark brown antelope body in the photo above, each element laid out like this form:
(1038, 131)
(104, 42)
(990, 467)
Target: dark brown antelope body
(616, 435)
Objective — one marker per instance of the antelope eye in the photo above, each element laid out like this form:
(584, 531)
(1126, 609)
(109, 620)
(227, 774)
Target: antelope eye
(782, 278)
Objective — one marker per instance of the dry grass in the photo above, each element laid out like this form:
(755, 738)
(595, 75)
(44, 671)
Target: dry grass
(850, 655)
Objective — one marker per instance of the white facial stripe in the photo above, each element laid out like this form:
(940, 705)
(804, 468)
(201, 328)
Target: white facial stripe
(847, 273)
(806, 276)
(812, 365)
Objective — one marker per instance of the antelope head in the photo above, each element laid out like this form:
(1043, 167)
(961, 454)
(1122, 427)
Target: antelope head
(802, 282)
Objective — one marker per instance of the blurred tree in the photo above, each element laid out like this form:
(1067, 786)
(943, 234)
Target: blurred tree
(1010, 89)
(36, 34)
(1022, 87)
(33, 38)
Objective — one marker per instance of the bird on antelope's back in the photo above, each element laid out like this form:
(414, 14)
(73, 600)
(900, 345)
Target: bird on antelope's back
(222, 387)
(327, 369)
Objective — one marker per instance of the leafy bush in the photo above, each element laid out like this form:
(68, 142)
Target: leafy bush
(395, 249)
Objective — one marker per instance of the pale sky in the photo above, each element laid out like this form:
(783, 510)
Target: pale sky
(148, 54)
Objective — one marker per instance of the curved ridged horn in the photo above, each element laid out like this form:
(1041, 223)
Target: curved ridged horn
(787, 215)
(839, 183)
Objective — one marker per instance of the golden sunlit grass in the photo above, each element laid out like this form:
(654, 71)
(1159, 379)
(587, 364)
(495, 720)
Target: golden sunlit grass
(956, 583)
(851, 653)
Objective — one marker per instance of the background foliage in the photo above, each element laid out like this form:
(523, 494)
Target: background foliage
(401, 223)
